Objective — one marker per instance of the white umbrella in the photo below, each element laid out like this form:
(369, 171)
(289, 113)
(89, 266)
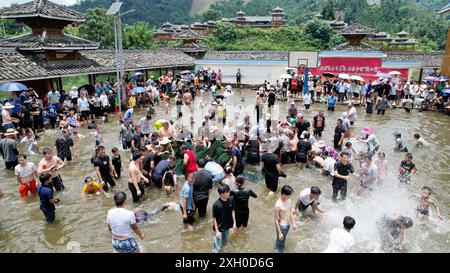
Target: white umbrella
(344, 76)
(357, 78)
(394, 73)
(286, 76)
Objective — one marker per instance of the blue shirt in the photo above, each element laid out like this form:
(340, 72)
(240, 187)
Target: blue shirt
(186, 192)
(331, 101)
(128, 115)
(46, 194)
(16, 103)
(83, 104)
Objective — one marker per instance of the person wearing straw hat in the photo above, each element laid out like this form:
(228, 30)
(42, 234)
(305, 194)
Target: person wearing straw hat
(8, 149)
(6, 116)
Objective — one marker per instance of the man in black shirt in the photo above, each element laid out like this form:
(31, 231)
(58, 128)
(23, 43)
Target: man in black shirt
(148, 164)
(301, 125)
(271, 169)
(303, 148)
(341, 175)
(136, 141)
(271, 100)
(202, 187)
(339, 132)
(237, 161)
(104, 168)
(223, 213)
(241, 196)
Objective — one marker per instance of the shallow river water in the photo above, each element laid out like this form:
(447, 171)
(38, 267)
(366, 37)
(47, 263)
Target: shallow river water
(83, 220)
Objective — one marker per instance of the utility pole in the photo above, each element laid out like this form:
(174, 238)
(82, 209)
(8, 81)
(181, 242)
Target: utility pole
(114, 10)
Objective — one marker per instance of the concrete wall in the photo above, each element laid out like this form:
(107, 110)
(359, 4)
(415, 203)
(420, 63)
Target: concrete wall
(446, 62)
(253, 72)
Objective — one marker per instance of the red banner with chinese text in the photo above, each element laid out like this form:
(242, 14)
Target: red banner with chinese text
(364, 67)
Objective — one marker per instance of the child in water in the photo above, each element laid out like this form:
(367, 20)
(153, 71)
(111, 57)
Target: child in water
(399, 147)
(406, 169)
(424, 201)
(92, 187)
(381, 164)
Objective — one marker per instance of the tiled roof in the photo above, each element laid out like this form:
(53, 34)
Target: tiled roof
(42, 8)
(445, 8)
(256, 18)
(187, 34)
(194, 48)
(427, 59)
(15, 66)
(30, 42)
(247, 55)
(360, 47)
(357, 29)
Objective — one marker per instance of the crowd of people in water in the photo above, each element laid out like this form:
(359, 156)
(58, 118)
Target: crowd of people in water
(165, 153)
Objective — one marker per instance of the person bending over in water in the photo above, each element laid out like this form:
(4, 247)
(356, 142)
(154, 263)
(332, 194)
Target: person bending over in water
(424, 201)
(143, 215)
(391, 230)
(399, 146)
(420, 141)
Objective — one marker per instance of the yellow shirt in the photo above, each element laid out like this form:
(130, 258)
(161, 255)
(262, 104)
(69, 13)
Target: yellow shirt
(93, 188)
(132, 102)
(196, 81)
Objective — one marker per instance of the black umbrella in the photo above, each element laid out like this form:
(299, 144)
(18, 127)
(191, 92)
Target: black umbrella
(89, 87)
(328, 74)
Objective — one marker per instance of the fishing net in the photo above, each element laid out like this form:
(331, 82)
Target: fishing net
(216, 152)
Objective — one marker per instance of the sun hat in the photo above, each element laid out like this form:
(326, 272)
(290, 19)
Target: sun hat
(8, 106)
(10, 132)
(367, 131)
(165, 141)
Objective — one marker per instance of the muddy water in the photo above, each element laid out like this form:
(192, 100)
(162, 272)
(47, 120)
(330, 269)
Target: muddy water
(83, 220)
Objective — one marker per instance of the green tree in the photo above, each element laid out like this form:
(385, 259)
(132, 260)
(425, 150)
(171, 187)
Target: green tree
(138, 36)
(328, 10)
(9, 28)
(98, 28)
(318, 33)
(226, 32)
(211, 14)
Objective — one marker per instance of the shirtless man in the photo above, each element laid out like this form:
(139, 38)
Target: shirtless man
(135, 184)
(51, 164)
(166, 130)
(424, 201)
(187, 99)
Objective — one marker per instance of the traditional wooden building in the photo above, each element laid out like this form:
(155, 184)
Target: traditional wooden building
(190, 43)
(277, 19)
(41, 58)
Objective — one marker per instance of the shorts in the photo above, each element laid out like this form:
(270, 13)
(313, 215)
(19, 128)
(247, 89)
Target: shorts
(242, 218)
(356, 95)
(303, 207)
(271, 181)
(423, 212)
(330, 108)
(25, 187)
(125, 246)
(10, 165)
(85, 114)
(392, 97)
(67, 157)
(301, 158)
(75, 101)
(145, 135)
(58, 183)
